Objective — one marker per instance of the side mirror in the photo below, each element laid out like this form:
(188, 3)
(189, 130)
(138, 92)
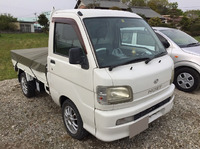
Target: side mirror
(165, 44)
(163, 40)
(76, 56)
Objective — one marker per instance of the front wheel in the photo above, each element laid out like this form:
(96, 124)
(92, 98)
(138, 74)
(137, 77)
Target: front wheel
(187, 79)
(73, 121)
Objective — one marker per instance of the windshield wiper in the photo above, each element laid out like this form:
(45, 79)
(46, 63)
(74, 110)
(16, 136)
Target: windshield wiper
(155, 56)
(193, 44)
(128, 62)
(146, 59)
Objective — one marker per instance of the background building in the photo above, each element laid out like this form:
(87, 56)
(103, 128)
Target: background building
(147, 12)
(100, 4)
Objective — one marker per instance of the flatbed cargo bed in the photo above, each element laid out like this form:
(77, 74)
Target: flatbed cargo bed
(35, 58)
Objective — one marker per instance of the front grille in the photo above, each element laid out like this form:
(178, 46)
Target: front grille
(143, 113)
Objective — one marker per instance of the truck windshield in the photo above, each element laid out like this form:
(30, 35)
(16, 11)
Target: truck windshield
(120, 41)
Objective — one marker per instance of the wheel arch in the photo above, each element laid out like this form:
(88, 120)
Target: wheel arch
(63, 99)
(181, 67)
(187, 64)
(19, 73)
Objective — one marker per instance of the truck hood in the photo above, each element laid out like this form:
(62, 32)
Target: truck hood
(192, 50)
(144, 79)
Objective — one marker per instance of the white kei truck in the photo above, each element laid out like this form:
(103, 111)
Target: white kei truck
(104, 85)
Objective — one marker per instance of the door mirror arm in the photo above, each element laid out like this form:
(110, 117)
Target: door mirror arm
(84, 62)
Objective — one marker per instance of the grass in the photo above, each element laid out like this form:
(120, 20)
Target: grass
(20, 41)
(17, 41)
(197, 38)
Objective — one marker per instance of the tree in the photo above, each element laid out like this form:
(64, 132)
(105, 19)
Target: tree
(93, 5)
(160, 6)
(174, 11)
(194, 28)
(7, 22)
(194, 14)
(43, 21)
(115, 8)
(185, 23)
(138, 3)
(135, 2)
(155, 22)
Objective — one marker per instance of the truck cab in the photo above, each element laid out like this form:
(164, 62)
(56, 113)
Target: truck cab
(109, 83)
(112, 81)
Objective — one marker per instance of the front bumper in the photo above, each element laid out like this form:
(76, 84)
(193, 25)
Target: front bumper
(144, 113)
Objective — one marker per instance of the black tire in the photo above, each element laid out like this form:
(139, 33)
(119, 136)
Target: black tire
(28, 87)
(73, 121)
(186, 79)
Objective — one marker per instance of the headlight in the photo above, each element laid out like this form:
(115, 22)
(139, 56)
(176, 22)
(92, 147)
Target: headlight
(172, 77)
(114, 95)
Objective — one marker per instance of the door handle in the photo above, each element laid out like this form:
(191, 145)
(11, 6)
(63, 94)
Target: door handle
(52, 61)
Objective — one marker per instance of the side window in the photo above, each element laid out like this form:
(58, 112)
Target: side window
(65, 38)
(128, 37)
(138, 37)
(144, 38)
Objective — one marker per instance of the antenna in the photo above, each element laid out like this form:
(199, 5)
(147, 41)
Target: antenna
(35, 16)
(52, 11)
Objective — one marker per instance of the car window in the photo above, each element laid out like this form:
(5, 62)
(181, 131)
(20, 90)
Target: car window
(180, 38)
(137, 36)
(65, 38)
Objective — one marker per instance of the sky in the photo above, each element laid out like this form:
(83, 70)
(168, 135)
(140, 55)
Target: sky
(187, 4)
(28, 8)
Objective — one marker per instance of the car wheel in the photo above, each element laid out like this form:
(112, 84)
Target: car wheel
(28, 87)
(187, 79)
(73, 121)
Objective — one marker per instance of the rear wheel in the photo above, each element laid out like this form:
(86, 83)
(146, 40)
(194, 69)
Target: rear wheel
(28, 87)
(187, 79)
(73, 121)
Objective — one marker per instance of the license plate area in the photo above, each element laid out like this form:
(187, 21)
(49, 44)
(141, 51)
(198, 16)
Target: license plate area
(138, 127)
(155, 116)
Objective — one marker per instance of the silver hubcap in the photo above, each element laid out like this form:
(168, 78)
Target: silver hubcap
(185, 80)
(24, 85)
(70, 120)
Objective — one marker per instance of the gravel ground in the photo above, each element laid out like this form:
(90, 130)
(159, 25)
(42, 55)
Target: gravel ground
(37, 123)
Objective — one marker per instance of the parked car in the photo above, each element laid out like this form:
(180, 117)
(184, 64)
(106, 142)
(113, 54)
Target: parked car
(185, 51)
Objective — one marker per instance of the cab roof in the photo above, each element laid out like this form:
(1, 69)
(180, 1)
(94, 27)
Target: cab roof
(88, 13)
